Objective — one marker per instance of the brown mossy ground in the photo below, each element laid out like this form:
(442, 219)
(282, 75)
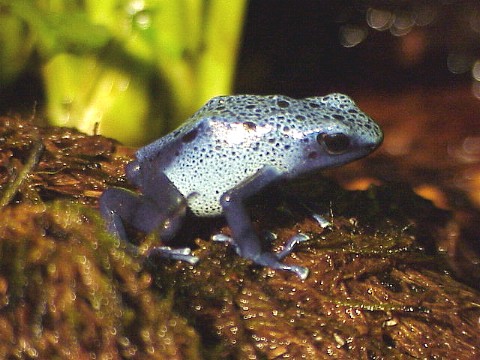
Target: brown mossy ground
(378, 287)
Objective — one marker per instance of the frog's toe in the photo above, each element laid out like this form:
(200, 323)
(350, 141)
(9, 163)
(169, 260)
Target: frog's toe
(182, 254)
(324, 223)
(301, 271)
(227, 240)
(271, 260)
(267, 235)
(290, 244)
(320, 219)
(223, 238)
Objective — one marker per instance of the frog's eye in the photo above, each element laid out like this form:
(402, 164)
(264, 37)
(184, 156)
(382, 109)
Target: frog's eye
(334, 143)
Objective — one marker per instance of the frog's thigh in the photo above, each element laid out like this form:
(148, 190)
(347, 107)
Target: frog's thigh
(120, 206)
(157, 187)
(163, 205)
(232, 202)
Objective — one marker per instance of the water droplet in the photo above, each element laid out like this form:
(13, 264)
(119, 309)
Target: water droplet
(379, 19)
(352, 35)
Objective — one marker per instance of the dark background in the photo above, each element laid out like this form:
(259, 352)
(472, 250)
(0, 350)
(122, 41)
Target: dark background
(293, 48)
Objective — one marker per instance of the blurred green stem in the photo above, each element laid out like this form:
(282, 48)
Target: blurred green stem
(206, 66)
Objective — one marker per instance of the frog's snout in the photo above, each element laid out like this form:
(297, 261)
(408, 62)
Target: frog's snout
(378, 141)
(376, 137)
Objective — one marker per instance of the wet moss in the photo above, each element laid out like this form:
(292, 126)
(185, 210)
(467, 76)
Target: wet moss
(378, 287)
(375, 289)
(71, 291)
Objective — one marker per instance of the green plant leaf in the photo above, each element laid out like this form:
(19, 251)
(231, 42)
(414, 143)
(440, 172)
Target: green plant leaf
(58, 32)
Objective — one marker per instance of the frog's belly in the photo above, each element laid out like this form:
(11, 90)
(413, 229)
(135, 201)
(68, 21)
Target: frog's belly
(203, 189)
(203, 204)
(202, 178)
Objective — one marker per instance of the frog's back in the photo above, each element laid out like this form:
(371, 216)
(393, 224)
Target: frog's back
(251, 110)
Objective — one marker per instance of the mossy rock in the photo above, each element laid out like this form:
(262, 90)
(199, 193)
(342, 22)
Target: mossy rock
(378, 287)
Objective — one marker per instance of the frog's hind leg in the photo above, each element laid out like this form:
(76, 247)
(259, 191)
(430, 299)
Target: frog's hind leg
(116, 207)
(160, 190)
(246, 241)
(163, 213)
(119, 207)
(159, 207)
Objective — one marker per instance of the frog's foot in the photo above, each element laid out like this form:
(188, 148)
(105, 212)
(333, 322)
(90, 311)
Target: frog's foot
(324, 223)
(290, 244)
(224, 238)
(272, 260)
(321, 220)
(182, 254)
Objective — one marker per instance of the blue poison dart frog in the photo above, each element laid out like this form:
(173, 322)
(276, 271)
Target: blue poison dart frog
(230, 149)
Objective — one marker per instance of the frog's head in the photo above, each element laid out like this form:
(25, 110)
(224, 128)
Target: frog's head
(335, 132)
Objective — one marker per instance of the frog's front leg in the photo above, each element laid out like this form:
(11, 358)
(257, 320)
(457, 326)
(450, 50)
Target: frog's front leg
(244, 237)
